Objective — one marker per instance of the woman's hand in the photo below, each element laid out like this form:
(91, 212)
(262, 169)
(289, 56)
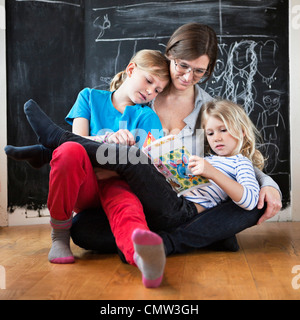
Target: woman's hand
(272, 197)
(123, 136)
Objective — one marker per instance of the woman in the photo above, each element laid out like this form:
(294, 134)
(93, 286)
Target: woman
(192, 51)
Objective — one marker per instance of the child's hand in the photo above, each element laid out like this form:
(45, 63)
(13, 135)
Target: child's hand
(199, 166)
(122, 136)
(196, 165)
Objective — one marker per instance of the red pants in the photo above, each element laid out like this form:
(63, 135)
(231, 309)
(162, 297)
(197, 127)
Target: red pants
(73, 186)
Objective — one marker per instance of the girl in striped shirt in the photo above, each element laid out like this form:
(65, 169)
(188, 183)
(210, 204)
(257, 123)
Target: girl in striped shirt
(230, 138)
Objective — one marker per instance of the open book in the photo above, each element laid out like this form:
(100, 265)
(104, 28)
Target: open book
(171, 158)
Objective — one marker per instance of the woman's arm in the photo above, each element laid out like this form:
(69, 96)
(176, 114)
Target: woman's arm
(270, 194)
(265, 180)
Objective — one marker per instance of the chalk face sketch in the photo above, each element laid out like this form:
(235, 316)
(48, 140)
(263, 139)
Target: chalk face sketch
(241, 67)
(100, 36)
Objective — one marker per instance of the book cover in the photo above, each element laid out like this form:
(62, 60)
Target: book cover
(171, 158)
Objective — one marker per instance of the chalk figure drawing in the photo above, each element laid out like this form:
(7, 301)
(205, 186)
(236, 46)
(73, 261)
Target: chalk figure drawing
(239, 65)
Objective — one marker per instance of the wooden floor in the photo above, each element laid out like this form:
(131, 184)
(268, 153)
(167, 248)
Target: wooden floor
(261, 269)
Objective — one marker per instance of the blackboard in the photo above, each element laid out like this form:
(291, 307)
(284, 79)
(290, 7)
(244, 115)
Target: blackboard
(56, 48)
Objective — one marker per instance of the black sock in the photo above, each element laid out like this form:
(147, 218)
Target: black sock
(47, 131)
(36, 155)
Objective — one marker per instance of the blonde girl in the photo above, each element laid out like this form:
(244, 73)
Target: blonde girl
(231, 141)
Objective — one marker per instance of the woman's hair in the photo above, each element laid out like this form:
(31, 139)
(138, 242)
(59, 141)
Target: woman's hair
(191, 41)
(152, 61)
(238, 125)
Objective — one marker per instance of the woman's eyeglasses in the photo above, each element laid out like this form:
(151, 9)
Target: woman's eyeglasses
(185, 68)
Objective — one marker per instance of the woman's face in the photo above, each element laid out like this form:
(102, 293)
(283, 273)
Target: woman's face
(183, 80)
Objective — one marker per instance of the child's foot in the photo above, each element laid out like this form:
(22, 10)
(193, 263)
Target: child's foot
(36, 155)
(149, 256)
(47, 131)
(60, 251)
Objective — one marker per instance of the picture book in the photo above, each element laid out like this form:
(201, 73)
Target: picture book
(171, 158)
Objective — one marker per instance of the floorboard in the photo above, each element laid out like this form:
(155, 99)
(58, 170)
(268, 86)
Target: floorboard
(260, 270)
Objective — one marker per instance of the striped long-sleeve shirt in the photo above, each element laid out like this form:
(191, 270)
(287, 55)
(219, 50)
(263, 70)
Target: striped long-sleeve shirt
(238, 168)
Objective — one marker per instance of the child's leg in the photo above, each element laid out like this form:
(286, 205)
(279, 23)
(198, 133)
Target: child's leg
(36, 155)
(124, 212)
(47, 132)
(133, 237)
(72, 186)
(162, 205)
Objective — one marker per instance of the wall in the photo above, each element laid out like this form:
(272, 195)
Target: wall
(295, 106)
(3, 136)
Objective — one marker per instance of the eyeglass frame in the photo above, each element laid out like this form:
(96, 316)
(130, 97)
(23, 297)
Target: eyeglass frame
(189, 69)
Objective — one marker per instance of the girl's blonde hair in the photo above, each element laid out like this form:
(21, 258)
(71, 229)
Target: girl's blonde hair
(152, 61)
(238, 125)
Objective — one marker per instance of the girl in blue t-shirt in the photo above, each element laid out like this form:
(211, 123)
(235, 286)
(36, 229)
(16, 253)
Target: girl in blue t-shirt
(119, 116)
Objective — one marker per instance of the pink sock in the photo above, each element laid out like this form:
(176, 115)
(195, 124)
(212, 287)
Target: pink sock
(149, 256)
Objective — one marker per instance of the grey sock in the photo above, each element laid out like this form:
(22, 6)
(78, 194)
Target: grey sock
(60, 251)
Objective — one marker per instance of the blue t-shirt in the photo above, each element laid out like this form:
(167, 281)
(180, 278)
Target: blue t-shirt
(96, 106)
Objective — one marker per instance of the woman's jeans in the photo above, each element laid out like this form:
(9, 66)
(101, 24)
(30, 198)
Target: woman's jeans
(210, 226)
(91, 229)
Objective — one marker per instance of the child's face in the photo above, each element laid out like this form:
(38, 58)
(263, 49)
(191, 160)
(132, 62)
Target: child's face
(144, 86)
(219, 139)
